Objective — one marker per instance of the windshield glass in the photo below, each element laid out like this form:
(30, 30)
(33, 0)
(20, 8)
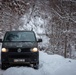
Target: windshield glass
(19, 36)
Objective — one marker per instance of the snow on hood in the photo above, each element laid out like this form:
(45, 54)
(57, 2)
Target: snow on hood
(20, 44)
(49, 65)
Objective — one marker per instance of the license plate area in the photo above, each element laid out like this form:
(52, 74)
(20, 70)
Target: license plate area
(19, 60)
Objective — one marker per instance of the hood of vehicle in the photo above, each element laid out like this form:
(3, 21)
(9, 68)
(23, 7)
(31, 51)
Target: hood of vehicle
(20, 44)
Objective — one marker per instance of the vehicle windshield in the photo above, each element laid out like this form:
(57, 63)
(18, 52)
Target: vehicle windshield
(20, 36)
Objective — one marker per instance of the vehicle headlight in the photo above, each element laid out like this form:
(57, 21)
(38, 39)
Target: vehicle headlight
(34, 50)
(4, 50)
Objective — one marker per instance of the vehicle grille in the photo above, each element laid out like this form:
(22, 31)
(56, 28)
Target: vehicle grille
(19, 56)
(22, 49)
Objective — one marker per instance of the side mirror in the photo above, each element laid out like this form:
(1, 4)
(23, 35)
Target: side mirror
(39, 40)
(0, 40)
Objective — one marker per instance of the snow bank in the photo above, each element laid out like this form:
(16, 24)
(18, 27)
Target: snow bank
(49, 65)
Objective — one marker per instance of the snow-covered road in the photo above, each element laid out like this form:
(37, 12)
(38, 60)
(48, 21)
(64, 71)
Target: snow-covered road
(49, 65)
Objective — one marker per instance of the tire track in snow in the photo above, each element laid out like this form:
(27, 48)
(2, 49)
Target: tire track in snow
(42, 67)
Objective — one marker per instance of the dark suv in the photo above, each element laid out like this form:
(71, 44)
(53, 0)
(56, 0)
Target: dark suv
(20, 48)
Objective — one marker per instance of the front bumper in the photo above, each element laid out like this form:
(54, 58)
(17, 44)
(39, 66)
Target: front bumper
(20, 58)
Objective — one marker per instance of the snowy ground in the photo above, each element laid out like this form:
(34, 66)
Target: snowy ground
(49, 65)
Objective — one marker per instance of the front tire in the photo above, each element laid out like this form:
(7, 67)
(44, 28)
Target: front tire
(4, 66)
(36, 66)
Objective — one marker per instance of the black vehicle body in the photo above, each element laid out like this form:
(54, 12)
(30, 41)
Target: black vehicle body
(19, 52)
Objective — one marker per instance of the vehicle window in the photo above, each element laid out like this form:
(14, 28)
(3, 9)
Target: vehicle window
(19, 36)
